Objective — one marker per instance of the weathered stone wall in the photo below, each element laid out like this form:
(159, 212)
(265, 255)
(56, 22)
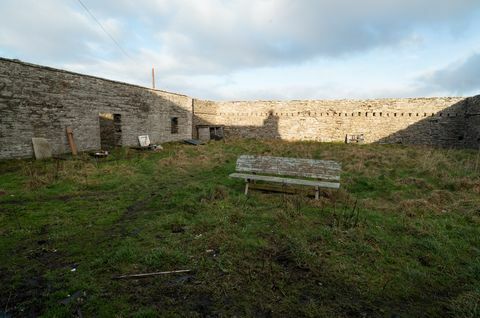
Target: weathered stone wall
(206, 112)
(37, 101)
(430, 121)
(472, 139)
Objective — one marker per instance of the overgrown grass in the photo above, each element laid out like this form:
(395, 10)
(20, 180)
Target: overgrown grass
(400, 238)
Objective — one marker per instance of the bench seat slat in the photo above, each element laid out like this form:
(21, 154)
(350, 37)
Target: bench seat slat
(321, 184)
(310, 168)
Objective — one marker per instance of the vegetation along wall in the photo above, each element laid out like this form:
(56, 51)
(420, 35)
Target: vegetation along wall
(37, 101)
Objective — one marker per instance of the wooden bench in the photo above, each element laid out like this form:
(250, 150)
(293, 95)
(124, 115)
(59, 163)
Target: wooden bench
(320, 173)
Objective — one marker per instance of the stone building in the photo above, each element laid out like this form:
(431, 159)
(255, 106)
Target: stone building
(38, 101)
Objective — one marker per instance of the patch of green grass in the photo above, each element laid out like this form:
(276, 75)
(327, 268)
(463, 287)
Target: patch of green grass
(401, 237)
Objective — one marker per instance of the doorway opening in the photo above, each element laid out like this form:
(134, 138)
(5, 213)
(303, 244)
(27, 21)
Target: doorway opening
(174, 125)
(110, 130)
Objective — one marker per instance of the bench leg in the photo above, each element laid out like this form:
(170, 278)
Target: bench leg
(317, 193)
(247, 182)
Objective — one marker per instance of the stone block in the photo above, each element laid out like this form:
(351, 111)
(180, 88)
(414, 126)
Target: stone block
(41, 148)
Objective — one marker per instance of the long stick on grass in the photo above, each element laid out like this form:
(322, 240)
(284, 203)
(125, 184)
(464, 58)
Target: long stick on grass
(152, 274)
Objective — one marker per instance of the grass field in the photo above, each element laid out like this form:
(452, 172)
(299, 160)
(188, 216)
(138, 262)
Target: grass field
(401, 238)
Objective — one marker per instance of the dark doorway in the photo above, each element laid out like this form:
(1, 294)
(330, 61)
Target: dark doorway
(174, 125)
(110, 130)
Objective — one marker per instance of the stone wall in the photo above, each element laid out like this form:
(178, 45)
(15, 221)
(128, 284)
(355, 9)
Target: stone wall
(429, 121)
(206, 112)
(37, 101)
(472, 139)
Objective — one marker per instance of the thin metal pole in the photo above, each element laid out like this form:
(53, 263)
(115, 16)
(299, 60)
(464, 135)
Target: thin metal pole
(153, 77)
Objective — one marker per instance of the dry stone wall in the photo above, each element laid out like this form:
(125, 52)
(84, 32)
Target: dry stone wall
(37, 101)
(473, 123)
(429, 121)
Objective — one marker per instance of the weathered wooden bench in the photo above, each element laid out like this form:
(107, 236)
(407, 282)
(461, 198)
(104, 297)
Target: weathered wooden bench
(320, 173)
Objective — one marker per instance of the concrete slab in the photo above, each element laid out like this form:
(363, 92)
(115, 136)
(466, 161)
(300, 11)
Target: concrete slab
(194, 142)
(41, 148)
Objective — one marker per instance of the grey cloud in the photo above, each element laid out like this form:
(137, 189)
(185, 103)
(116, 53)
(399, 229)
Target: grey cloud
(55, 32)
(43, 28)
(216, 36)
(461, 78)
(236, 34)
(188, 38)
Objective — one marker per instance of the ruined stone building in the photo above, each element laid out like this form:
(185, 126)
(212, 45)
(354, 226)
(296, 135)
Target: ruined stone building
(38, 101)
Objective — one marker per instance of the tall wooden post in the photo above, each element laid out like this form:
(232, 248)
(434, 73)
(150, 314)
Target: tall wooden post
(71, 142)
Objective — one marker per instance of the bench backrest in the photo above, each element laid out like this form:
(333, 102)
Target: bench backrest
(310, 168)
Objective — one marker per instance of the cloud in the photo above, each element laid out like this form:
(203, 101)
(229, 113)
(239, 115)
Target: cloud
(234, 34)
(238, 34)
(190, 40)
(459, 78)
(48, 29)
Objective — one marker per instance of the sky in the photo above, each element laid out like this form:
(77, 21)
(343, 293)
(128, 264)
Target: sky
(257, 49)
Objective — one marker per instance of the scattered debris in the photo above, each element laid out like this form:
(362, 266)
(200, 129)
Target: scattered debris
(149, 148)
(74, 268)
(71, 142)
(152, 274)
(194, 142)
(156, 147)
(359, 139)
(41, 148)
(145, 144)
(99, 154)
